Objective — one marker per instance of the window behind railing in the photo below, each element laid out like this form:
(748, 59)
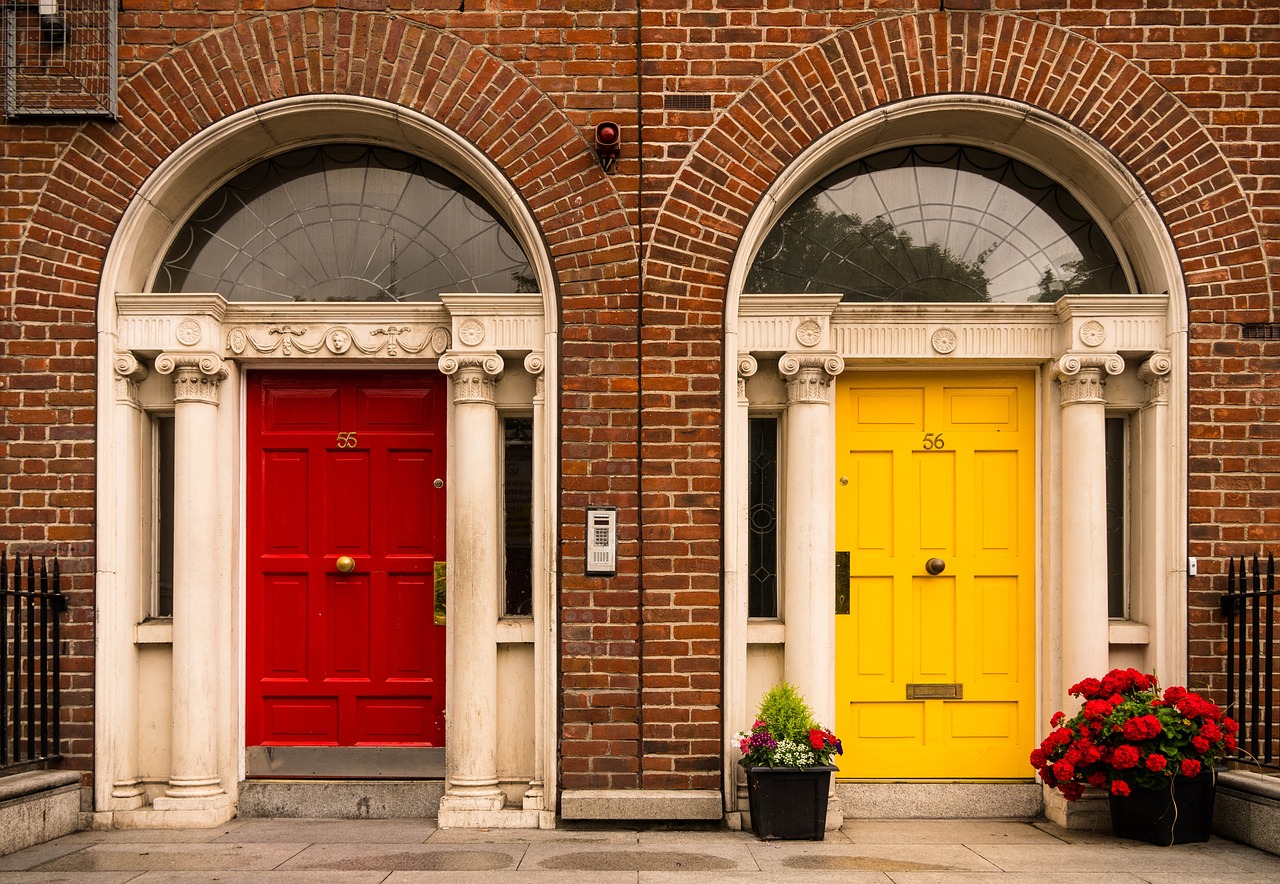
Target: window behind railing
(30, 640)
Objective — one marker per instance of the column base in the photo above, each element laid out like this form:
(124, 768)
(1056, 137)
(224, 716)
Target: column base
(504, 818)
(170, 813)
(195, 804)
(1092, 812)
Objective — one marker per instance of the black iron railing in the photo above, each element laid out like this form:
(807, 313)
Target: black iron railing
(31, 605)
(1251, 656)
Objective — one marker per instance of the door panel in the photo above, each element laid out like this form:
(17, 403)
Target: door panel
(935, 673)
(344, 464)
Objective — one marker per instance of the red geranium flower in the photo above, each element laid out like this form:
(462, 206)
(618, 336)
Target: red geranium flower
(1190, 767)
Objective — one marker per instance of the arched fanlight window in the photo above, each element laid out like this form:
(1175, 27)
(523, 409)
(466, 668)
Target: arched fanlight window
(937, 223)
(344, 223)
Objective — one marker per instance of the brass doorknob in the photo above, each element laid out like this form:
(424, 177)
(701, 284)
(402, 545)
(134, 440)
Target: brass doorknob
(935, 566)
(346, 564)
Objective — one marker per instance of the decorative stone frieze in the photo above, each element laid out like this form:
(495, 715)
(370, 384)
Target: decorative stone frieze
(1154, 374)
(809, 375)
(338, 340)
(1081, 377)
(196, 376)
(475, 375)
(129, 373)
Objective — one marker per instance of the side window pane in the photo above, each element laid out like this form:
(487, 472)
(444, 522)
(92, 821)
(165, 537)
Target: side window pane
(762, 518)
(163, 604)
(518, 515)
(1117, 482)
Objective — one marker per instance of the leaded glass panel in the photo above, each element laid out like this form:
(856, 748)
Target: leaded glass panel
(344, 223)
(937, 223)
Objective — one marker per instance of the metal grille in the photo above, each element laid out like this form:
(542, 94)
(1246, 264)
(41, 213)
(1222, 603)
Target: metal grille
(762, 519)
(1260, 331)
(686, 102)
(60, 58)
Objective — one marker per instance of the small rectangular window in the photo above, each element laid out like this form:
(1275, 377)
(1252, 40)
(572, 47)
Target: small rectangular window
(762, 518)
(162, 604)
(1117, 456)
(517, 504)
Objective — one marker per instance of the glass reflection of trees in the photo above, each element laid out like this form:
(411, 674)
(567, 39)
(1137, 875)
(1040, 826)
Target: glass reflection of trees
(937, 223)
(344, 223)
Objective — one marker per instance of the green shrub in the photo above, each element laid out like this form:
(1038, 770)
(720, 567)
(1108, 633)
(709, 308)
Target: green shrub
(787, 714)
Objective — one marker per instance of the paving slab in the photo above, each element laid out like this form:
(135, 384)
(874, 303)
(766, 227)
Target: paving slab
(111, 857)
(1117, 856)
(761, 877)
(944, 832)
(223, 877)
(534, 836)
(789, 857)
(522, 877)
(705, 856)
(313, 831)
(490, 857)
(68, 877)
(1015, 878)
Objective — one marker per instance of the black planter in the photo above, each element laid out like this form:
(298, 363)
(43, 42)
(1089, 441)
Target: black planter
(1180, 813)
(789, 803)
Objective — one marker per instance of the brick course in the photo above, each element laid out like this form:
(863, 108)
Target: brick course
(1186, 97)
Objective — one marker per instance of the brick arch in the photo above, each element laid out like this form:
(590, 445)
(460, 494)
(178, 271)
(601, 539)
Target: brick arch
(891, 60)
(461, 86)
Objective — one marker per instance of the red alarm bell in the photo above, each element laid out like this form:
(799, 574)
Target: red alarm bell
(608, 143)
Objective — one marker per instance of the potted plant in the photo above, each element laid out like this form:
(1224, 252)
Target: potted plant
(1154, 753)
(787, 757)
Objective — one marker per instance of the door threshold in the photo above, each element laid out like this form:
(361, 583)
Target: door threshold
(344, 762)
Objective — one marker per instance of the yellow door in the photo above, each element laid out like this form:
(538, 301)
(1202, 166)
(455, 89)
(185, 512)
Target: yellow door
(935, 673)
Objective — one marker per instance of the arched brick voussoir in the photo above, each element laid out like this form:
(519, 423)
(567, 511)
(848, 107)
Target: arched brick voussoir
(1052, 69)
(307, 53)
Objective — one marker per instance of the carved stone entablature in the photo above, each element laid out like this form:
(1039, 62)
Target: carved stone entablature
(129, 373)
(196, 376)
(809, 375)
(475, 375)
(1081, 377)
(1154, 373)
(495, 323)
(293, 339)
(1130, 325)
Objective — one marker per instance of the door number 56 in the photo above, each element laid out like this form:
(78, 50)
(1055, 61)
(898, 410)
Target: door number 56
(347, 440)
(933, 441)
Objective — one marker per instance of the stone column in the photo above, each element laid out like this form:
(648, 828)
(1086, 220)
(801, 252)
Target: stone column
(1081, 381)
(472, 791)
(194, 781)
(544, 650)
(1157, 600)
(737, 708)
(809, 529)
(117, 683)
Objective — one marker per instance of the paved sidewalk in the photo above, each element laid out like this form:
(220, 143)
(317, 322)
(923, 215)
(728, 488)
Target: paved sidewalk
(276, 851)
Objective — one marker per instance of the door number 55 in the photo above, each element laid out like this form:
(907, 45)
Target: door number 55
(347, 440)
(933, 441)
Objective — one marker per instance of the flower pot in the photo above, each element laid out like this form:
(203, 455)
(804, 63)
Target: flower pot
(789, 803)
(1179, 813)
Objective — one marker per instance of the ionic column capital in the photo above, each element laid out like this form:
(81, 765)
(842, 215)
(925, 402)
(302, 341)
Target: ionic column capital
(809, 376)
(475, 375)
(129, 372)
(196, 376)
(1154, 374)
(1081, 377)
(535, 363)
(747, 367)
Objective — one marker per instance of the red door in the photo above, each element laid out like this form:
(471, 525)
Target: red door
(344, 464)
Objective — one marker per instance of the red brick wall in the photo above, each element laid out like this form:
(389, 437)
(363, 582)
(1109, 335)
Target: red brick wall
(1186, 96)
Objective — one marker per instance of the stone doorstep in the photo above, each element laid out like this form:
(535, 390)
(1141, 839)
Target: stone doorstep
(641, 804)
(38, 806)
